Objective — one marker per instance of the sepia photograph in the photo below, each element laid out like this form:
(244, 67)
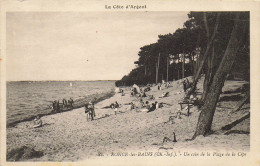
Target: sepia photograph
(129, 83)
(85, 85)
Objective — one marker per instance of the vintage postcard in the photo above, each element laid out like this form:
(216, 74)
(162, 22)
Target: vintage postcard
(129, 83)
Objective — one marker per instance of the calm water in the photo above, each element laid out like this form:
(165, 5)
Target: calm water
(27, 97)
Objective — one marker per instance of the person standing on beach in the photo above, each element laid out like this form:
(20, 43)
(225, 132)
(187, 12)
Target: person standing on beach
(91, 110)
(58, 106)
(71, 102)
(64, 102)
(184, 85)
(54, 106)
(116, 107)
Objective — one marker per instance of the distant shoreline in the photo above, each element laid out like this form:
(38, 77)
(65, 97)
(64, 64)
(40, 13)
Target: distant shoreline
(77, 104)
(60, 80)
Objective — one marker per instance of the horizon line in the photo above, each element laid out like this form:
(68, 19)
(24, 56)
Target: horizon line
(53, 80)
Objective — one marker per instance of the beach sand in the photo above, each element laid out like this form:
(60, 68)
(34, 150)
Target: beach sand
(68, 136)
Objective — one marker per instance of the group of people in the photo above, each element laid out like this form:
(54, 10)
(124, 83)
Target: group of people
(167, 85)
(146, 106)
(90, 109)
(56, 106)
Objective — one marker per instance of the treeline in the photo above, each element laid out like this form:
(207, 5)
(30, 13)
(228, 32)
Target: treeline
(182, 53)
(214, 43)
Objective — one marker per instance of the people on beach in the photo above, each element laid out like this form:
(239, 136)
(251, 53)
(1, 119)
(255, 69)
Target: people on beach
(144, 95)
(147, 107)
(58, 106)
(37, 122)
(70, 101)
(184, 85)
(64, 103)
(147, 89)
(90, 111)
(152, 97)
(141, 103)
(116, 107)
(132, 106)
(122, 93)
(165, 94)
(152, 108)
(53, 106)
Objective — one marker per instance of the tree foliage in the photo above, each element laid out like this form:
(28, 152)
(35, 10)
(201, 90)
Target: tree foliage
(191, 42)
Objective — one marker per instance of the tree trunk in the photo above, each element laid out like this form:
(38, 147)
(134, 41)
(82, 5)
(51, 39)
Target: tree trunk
(242, 102)
(208, 109)
(192, 63)
(209, 75)
(167, 78)
(232, 124)
(183, 65)
(157, 68)
(156, 76)
(209, 45)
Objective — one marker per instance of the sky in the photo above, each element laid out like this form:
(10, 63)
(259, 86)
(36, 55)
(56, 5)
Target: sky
(81, 45)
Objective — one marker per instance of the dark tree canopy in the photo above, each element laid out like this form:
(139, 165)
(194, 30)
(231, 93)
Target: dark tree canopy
(189, 42)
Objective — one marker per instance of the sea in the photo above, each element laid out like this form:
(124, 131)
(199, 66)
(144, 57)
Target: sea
(26, 98)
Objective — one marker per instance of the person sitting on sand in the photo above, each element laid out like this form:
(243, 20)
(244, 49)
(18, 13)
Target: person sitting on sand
(141, 102)
(152, 97)
(147, 89)
(152, 108)
(37, 122)
(165, 94)
(147, 107)
(132, 106)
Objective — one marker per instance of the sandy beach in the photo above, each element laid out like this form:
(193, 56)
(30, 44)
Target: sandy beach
(68, 136)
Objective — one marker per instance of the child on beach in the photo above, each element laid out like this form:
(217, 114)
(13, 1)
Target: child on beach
(90, 110)
(116, 107)
(37, 122)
